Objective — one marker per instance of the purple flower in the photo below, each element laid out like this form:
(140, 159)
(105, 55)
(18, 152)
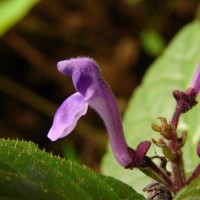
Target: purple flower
(187, 100)
(198, 148)
(94, 92)
(196, 81)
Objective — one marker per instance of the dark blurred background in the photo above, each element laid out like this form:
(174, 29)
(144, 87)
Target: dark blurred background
(124, 36)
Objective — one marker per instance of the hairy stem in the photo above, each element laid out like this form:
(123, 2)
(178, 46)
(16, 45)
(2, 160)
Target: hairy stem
(159, 172)
(148, 167)
(178, 173)
(175, 120)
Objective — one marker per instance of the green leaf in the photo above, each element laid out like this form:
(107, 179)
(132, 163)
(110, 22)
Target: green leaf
(191, 192)
(172, 70)
(12, 11)
(26, 172)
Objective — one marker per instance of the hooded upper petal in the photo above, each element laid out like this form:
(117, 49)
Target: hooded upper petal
(81, 64)
(85, 74)
(67, 116)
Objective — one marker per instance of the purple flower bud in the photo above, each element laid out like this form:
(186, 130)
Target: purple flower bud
(198, 148)
(92, 91)
(196, 81)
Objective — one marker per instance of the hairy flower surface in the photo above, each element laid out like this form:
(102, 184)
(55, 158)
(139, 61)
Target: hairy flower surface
(94, 92)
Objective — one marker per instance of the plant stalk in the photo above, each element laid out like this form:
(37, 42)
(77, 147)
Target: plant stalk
(194, 175)
(178, 173)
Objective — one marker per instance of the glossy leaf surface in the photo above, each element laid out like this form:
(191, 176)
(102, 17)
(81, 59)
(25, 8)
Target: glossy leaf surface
(26, 172)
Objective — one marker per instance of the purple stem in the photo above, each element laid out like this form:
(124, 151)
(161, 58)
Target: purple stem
(159, 172)
(184, 102)
(194, 175)
(177, 164)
